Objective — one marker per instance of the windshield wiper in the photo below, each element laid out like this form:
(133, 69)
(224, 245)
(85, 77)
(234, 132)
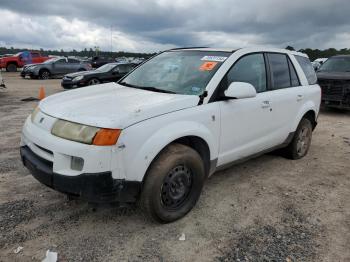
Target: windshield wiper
(149, 88)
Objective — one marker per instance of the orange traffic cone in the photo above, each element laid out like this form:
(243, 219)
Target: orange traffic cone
(41, 93)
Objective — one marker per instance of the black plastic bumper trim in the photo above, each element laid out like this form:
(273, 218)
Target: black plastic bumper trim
(93, 187)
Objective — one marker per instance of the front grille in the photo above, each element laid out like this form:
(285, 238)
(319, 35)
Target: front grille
(334, 88)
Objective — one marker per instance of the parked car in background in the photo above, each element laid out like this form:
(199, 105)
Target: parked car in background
(334, 79)
(156, 135)
(11, 63)
(98, 61)
(5, 55)
(316, 65)
(107, 73)
(318, 62)
(55, 67)
(321, 60)
(2, 82)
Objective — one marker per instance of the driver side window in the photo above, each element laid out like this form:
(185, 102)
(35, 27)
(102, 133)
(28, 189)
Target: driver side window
(61, 61)
(250, 69)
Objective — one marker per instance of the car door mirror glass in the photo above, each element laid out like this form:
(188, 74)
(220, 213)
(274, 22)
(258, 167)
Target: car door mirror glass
(240, 90)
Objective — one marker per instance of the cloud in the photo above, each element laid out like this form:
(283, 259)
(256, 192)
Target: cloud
(152, 25)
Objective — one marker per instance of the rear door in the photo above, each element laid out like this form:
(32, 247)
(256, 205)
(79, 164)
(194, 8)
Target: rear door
(285, 94)
(73, 65)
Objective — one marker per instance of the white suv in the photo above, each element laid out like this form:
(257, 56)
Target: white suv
(156, 135)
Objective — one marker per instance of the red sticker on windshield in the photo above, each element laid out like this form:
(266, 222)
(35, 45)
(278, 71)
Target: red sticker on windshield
(207, 66)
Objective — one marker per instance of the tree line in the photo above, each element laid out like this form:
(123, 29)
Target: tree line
(326, 53)
(312, 53)
(82, 53)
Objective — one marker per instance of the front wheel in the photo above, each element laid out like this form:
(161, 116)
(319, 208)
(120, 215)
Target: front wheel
(173, 184)
(93, 81)
(44, 74)
(301, 142)
(11, 68)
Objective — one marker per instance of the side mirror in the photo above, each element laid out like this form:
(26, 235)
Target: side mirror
(240, 90)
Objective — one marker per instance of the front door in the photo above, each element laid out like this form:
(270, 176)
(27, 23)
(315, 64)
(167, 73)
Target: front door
(245, 123)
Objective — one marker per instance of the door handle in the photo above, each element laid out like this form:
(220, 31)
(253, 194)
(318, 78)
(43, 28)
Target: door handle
(265, 104)
(300, 97)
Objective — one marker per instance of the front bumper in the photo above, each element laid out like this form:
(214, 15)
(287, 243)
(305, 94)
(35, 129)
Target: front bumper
(69, 84)
(336, 103)
(93, 187)
(28, 73)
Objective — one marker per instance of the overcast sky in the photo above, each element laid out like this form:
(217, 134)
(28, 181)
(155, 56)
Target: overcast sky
(152, 25)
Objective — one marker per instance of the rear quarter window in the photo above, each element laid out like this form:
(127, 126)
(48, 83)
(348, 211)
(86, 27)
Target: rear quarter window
(308, 69)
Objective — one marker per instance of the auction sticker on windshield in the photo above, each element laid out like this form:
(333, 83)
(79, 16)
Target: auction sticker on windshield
(207, 66)
(214, 58)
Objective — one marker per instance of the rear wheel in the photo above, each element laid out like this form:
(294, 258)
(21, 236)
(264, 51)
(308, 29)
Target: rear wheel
(93, 81)
(44, 74)
(301, 142)
(173, 184)
(11, 67)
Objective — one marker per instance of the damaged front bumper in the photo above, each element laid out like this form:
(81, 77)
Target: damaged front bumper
(93, 187)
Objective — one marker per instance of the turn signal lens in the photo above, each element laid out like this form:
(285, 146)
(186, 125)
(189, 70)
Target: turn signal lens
(35, 112)
(106, 137)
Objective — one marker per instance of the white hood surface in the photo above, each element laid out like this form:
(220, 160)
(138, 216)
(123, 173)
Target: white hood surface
(113, 106)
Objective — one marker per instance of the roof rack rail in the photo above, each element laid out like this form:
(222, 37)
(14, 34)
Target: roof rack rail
(190, 47)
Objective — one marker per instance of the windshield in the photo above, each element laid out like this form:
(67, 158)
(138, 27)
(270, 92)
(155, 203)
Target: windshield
(105, 68)
(336, 64)
(50, 60)
(181, 72)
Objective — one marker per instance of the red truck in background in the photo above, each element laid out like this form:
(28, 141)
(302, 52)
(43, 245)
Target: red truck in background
(11, 63)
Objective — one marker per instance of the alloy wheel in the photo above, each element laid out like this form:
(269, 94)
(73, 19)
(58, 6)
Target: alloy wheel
(303, 141)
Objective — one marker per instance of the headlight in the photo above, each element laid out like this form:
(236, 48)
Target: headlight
(78, 78)
(34, 113)
(85, 134)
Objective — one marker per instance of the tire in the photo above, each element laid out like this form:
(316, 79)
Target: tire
(299, 146)
(93, 81)
(11, 67)
(173, 184)
(44, 74)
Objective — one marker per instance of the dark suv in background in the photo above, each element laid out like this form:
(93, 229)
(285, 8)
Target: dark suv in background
(334, 79)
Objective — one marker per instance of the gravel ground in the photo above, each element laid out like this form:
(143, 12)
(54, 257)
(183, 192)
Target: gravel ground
(266, 209)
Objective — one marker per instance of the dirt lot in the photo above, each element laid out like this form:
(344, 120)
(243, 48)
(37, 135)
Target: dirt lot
(267, 209)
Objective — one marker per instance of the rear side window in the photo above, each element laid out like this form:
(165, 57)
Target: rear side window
(73, 61)
(249, 69)
(279, 71)
(123, 69)
(293, 74)
(309, 71)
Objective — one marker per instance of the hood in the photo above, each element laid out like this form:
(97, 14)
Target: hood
(28, 65)
(333, 75)
(113, 106)
(80, 73)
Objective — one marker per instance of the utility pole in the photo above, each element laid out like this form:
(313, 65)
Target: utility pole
(111, 39)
